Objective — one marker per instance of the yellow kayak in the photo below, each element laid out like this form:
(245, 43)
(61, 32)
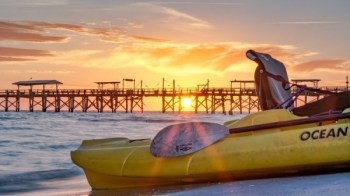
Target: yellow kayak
(117, 163)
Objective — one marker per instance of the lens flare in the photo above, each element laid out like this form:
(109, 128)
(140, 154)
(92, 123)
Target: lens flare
(186, 102)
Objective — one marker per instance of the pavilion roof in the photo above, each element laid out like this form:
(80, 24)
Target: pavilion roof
(36, 82)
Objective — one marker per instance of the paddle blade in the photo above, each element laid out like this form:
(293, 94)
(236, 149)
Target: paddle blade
(185, 138)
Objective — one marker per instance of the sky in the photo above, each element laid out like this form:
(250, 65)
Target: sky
(79, 42)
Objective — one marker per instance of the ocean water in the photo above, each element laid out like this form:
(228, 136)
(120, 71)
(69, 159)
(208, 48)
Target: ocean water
(35, 146)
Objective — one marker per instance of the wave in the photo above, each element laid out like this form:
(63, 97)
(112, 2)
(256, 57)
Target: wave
(6, 118)
(132, 119)
(4, 143)
(30, 181)
(67, 146)
(15, 128)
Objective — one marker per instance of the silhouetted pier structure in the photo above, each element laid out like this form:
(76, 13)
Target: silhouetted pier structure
(239, 97)
(307, 94)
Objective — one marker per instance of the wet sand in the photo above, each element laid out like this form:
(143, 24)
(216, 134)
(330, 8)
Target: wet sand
(330, 184)
(335, 184)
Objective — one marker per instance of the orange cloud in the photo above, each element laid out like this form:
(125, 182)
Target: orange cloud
(330, 64)
(177, 58)
(155, 54)
(5, 51)
(34, 31)
(106, 34)
(17, 54)
(6, 59)
(136, 25)
(102, 32)
(25, 32)
(148, 39)
(45, 25)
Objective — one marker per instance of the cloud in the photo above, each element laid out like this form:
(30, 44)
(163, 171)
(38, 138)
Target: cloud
(182, 59)
(196, 3)
(148, 39)
(34, 31)
(8, 59)
(108, 34)
(195, 59)
(307, 22)
(328, 64)
(33, 3)
(157, 55)
(174, 17)
(44, 25)
(102, 32)
(38, 72)
(5, 51)
(18, 54)
(25, 32)
(45, 72)
(136, 25)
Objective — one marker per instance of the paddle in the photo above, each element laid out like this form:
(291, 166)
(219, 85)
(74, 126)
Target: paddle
(185, 138)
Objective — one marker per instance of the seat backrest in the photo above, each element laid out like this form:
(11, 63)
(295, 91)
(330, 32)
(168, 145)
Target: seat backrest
(271, 82)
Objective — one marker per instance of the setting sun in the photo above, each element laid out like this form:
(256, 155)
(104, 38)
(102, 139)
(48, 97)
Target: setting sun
(186, 102)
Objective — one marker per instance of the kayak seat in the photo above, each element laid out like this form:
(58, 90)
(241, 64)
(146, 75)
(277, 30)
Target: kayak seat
(271, 82)
(273, 89)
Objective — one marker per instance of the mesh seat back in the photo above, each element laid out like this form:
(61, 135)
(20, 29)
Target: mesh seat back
(271, 82)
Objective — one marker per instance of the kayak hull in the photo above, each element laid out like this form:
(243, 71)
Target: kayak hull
(100, 181)
(118, 163)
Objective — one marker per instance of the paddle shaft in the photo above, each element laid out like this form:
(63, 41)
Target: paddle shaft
(289, 123)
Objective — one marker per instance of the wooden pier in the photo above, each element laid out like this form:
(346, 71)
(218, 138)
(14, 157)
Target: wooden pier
(128, 100)
(239, 97)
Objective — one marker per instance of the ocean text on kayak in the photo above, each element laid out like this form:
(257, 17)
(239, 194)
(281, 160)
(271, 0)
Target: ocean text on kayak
(324, 133)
